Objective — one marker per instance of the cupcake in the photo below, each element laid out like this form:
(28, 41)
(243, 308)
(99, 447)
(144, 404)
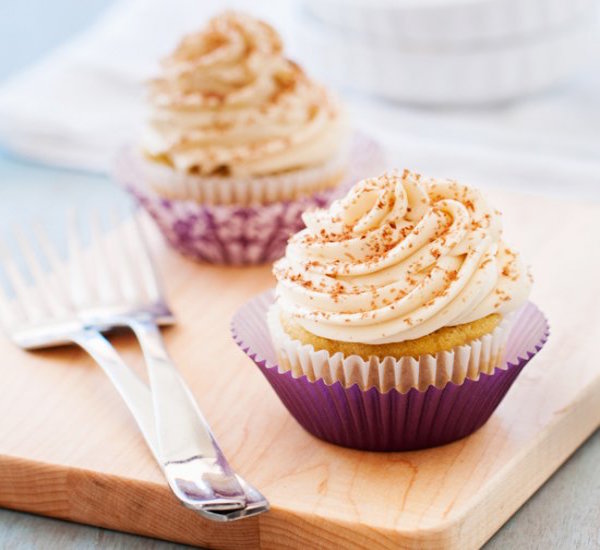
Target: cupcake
(397, 303)
(239, 142)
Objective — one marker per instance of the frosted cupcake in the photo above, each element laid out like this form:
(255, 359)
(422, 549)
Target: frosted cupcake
(237, 122)
(401, 294)
(401, 266)
(242, 136)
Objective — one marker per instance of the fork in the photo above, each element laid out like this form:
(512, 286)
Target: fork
(124, 292)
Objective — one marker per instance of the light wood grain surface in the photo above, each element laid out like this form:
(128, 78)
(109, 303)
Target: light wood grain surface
(562, 514)
(69, 449)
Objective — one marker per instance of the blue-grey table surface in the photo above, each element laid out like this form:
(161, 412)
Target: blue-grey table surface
(563, 514)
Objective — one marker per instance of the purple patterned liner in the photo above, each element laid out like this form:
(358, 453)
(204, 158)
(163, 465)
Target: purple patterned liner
(391, 421)
(235, 234)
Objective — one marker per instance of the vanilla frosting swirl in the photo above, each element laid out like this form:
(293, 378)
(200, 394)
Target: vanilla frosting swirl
(229, 103)
(398, 258)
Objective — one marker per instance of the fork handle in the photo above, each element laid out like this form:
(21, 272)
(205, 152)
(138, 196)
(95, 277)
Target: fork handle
(138, 398)
(194, 464)
(130, 387)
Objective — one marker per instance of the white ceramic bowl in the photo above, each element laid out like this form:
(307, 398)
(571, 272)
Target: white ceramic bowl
(450, 76)
(440, 23)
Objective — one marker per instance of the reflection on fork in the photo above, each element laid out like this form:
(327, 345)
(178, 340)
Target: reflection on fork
(111, 284)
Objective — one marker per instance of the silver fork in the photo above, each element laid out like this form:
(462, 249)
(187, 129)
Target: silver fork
(124, 291)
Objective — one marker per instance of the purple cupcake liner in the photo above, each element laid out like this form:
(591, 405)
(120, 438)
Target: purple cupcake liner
(391, 421)
(234, 234)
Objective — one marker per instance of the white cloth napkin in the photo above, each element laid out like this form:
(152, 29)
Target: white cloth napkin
(83, 101)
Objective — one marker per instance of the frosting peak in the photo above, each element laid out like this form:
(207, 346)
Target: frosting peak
(397, 258)
(229, 103)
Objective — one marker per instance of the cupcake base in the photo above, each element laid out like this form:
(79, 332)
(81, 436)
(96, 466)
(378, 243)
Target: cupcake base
(384, 372)
(242, 191)
(444, 338)
(390, 421)
(237, 234)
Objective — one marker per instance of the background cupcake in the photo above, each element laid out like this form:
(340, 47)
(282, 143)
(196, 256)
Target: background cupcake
(239, 142)
(403, 286)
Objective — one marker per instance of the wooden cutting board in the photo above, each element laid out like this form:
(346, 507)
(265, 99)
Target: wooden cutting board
(69, 448)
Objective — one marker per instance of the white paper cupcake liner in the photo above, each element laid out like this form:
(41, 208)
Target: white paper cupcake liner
(244, 191)
(482, 355)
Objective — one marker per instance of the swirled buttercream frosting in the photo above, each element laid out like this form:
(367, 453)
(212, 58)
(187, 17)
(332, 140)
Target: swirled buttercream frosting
(397, 258)
(229, 103)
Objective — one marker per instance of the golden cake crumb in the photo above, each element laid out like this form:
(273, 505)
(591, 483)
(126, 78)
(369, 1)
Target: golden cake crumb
(442, 339)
